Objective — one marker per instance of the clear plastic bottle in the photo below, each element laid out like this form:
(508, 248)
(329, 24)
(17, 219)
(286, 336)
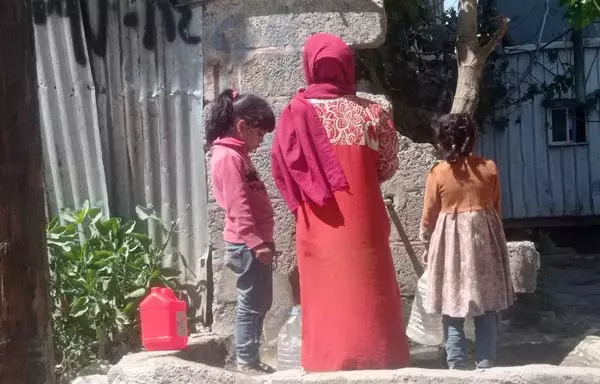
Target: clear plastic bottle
(289, 342)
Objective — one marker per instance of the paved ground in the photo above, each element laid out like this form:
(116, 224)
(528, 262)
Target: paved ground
(546, 326)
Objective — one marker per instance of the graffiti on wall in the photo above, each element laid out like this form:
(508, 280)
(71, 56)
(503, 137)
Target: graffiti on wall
(176, 20)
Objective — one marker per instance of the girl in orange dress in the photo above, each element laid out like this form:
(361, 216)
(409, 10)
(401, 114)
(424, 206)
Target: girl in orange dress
(331, 151)
(467, 257)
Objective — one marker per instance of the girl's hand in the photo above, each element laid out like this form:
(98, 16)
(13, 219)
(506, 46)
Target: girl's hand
(264, 254)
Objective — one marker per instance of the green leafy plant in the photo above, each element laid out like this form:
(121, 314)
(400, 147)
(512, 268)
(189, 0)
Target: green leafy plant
(582, 13)
(100, 269)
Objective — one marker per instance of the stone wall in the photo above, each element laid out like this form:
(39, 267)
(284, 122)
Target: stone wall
(255, 46)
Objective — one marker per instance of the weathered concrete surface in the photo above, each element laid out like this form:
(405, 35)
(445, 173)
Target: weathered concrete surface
(165, 368)
(521, 375)
(586, 354)
(91, 379)
(255, 44)
(93, 374)
(159, 368)
(407, 188)
(234, 25)
(524, 265)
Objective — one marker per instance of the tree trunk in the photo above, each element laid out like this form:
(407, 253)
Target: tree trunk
(471, 57)
(25, 332)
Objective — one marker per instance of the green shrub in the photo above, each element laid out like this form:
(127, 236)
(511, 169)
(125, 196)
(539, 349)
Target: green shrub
(100, 269)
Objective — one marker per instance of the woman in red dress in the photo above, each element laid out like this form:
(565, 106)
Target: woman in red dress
(331, 151)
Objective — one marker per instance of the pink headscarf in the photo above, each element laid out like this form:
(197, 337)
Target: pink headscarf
(304, 166)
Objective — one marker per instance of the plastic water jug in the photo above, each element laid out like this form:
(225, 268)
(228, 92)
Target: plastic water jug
(289, 342)
(163, 321)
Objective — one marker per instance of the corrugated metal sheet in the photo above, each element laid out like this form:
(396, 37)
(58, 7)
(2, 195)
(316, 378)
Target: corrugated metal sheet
(539, 180)
(120, 88)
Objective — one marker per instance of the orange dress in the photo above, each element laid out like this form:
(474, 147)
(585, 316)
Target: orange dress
(351, 305)
(467, 257)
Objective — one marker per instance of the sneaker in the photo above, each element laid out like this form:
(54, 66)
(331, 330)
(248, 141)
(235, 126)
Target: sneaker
(255, 369)
(483, 365)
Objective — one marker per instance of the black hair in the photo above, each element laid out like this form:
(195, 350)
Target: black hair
(455, 135)
(229, 106)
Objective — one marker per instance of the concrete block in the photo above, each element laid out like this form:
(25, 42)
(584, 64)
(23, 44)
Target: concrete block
(283, 301)
(91, 379)
(382, 100)
(409, 208)
(524, 262)
(262, 162)
(408, 184)
(218, 75)
(238, 25)
(416, 159)
(285, 238)
(586, 354)
(216, 221)
(271, 74)
(168, 368)
(405, 271)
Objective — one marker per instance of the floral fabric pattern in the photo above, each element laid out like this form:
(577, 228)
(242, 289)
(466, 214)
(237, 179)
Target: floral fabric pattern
(468, 264)
(352, 120)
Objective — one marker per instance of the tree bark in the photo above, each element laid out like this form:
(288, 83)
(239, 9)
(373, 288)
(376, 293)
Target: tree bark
(25, 332)
(471, 57)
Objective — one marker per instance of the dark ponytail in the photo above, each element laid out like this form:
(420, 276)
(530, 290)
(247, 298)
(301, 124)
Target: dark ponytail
(455, 135)
(229, 106)
(220, 118)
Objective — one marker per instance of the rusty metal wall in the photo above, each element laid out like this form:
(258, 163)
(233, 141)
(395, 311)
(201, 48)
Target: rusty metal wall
(120, 89)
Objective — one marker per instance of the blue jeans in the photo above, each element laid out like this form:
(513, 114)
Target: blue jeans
(255, 296)
(486, 332)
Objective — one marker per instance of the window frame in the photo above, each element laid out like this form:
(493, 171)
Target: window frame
(571, 141)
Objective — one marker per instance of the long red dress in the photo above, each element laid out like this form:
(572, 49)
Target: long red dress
(351, 305)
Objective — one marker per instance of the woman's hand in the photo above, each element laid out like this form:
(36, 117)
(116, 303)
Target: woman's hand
(264, 253)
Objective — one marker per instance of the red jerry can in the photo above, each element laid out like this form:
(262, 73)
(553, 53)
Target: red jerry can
(164, 321)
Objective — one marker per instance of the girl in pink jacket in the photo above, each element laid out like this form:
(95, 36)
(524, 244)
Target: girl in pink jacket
(235, 126)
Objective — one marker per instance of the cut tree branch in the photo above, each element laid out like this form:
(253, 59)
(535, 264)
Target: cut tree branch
(487, 49)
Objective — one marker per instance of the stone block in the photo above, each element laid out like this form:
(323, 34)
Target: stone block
(216, 223)
(586, 354)
(91, 379)
(416, 159)
(408, 184)
(382, 100)
(405, 271)
(218, 75)
(285, 238)
(409, 208)
(277, 105)
(168, 368)
(238, 25)
(283, 301)
(262, 162)
(272, 74)
(524, 265)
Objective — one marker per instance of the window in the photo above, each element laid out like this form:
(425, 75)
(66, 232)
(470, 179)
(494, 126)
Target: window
(567, 126)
